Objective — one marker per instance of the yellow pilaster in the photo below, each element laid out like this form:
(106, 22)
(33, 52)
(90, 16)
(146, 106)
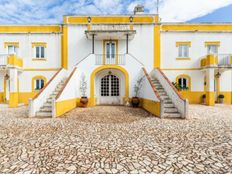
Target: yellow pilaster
(157, 46)
(210, 98)
(13, 102)
(64, 51)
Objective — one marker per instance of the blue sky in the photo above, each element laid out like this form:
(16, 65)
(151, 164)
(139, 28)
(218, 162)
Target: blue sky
(51, 11)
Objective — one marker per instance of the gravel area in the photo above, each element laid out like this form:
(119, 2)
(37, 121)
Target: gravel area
(110, 139)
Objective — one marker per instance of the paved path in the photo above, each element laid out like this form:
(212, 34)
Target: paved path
(117, 140)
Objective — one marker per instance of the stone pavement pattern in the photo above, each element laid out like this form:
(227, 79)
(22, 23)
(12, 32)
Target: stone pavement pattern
(116, 140)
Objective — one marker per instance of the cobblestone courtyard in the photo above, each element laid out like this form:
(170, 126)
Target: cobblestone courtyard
(117, 140)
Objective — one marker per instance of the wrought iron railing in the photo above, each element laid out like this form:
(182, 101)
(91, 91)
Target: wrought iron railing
(110, 59)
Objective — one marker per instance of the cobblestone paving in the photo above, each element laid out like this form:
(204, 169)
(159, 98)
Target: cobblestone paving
(116, 140)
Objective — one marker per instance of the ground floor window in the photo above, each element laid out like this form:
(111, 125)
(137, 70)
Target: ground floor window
(184, 82)
(38, 82)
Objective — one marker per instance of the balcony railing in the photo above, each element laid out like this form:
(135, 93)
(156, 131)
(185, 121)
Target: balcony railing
(110, 59)
(10, 60)
(218, 60)
(224, 59)
(3, 59)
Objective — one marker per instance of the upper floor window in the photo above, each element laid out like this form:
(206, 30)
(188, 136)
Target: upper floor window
(12, 47)
(212, 47)
(39, 50)
(183, 49)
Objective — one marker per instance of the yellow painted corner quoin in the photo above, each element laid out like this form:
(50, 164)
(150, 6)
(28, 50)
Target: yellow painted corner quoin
(14, 60)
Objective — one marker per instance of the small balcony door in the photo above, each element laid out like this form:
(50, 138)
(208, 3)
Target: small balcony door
(110, 52)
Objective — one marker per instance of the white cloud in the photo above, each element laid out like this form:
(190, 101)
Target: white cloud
(52, 11)
(184, 10)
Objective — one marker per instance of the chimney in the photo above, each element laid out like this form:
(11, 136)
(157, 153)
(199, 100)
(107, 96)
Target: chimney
(139, 9)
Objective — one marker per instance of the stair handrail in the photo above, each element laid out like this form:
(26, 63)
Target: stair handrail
(136, 59)
(152, 84)
(65, 84)
(83, 59)
(173, 87)
(180, 103)
(37, 95)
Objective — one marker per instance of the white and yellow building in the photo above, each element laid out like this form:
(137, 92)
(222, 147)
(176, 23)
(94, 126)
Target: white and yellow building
(43, 65)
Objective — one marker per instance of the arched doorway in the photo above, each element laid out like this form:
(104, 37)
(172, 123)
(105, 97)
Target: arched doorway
(110, 87)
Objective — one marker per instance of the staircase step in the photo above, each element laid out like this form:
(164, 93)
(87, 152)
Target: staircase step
(43, 114)
(170, 110)
(172, 115)
(168, 101)
(168, 105)
(45, 109)
(47, 104)
(164, 97)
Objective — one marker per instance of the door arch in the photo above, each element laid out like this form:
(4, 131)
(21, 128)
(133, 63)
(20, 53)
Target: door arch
(93, 96)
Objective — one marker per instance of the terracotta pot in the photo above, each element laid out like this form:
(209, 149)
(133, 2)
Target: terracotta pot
(135, 102)
(221, 100)
(84, 100)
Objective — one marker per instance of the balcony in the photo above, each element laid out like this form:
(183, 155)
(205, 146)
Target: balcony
(110, 59)
(11, 60)
(115, 31)
(217, 61)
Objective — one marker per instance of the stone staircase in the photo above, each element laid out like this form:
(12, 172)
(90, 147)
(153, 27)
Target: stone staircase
(170, 111)
(46, 109)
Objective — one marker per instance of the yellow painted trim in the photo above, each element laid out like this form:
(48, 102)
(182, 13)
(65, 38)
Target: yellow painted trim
(183, 58)
(13, 102)
(151, 106)
(196, 27)
(31, 29)
(231, 60)
(1, 97)
(180, 69)
(131, 27)
(210, 98)
(217, 43)
(92, 81)
(183, 43)
(64, 50)
(13, 60)
(41, 69)
(187, 77)
(228, 97)
(4, 93)
(33, 82)
(6, 44)
(194, 97)
(217, 80)
(157, 60)
(104, 50)
(39, 59)
(43, 44)
(65, 106)
(110, 19)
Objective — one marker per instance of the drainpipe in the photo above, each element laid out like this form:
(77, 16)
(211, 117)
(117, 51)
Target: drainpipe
(93, 44)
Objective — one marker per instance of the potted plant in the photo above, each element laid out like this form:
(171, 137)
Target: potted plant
(204, 99)
(83, 87)
(135, 100)
(177, 86)
(221, 98)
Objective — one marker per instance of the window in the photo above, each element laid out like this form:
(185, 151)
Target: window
(212, 49)
(183, 50)
(39, 84)
(183, 82)
(12, 49)
(40, 51)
